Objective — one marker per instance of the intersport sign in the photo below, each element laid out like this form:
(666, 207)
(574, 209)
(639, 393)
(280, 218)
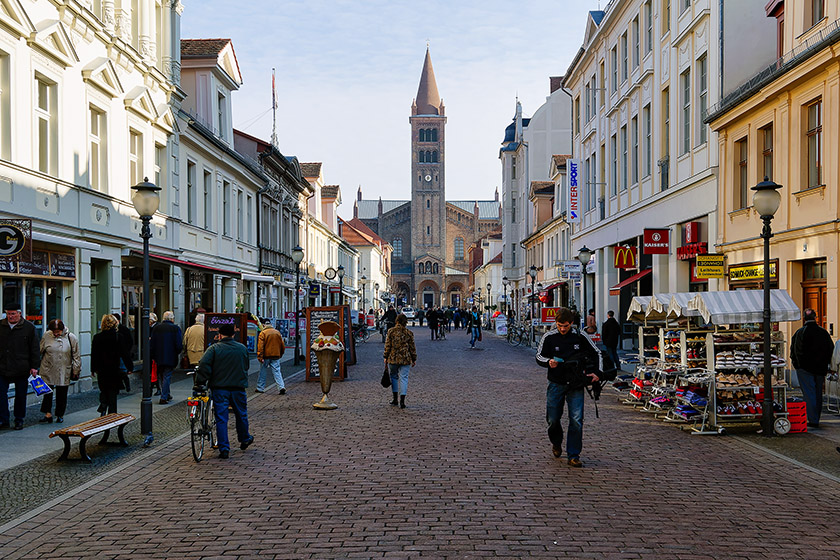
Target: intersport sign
(573, 169)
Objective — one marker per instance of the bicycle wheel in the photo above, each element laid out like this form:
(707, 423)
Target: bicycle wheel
(365, 335)
(211, 426)
(517, 337)
(196, 439)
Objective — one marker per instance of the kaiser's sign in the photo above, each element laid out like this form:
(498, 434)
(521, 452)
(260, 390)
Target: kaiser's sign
(573, 169)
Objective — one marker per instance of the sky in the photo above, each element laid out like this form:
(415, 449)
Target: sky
(347, 72)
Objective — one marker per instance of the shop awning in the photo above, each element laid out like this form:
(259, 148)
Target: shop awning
(638, 306)
(188, 264)
(678, 306)
(616, 290)
(556, 284)
(257, 278)
(743, 306)
(658, 306)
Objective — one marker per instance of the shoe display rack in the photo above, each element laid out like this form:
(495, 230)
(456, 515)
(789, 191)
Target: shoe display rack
(649, 345)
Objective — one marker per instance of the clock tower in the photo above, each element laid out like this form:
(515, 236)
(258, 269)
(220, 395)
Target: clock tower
(428, 200)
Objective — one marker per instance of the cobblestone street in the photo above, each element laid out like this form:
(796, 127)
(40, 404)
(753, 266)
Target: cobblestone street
(465, 471)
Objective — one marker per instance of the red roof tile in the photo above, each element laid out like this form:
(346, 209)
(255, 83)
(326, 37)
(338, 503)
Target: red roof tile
(311, 170)
(202, 47)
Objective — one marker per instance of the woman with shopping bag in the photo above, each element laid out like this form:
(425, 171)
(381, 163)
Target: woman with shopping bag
(60, 364)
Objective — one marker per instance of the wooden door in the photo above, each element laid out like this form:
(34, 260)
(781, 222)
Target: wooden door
(814, 296)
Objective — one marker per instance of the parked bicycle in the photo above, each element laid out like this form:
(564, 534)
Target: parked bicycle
(361, 333)
(202, 419)
(515, 334)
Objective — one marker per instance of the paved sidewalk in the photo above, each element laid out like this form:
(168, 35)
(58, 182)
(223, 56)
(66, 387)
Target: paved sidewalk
(464, 472)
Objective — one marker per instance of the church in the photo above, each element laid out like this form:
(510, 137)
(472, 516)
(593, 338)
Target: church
(429, 234)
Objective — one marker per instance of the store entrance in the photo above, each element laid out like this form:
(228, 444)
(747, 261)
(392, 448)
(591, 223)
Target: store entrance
(814, 286)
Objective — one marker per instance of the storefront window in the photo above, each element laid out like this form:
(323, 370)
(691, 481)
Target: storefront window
(34, 307)
(54, 310)
(12, 291)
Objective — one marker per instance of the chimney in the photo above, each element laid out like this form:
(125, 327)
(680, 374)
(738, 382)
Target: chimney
(555, 83)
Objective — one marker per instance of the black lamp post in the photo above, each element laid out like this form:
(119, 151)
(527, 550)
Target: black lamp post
(146, 201)
(532, 272)
(297, 257)
(363, 279)
(376, 295)
(539, 305)
(505, 283)
(340, 273)
(584, 256)
(766, 201)
(489, 302)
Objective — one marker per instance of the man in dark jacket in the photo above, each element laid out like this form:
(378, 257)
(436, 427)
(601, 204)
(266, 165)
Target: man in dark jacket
(611, 335)
(810, 353)
(388, 321)
(572, 360)
(20, 357)
(126, 345)
(166, 344)
(224, 368)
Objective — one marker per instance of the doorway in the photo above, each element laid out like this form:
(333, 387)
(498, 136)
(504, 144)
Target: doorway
(814, 287)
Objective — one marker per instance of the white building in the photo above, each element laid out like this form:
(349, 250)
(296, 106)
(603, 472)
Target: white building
(641, 85)
(84, 115)
(374, 277)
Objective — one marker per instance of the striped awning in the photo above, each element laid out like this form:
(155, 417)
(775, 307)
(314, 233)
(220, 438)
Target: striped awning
(743, 306)
(678, 306)
(658, 306)
(638, 306)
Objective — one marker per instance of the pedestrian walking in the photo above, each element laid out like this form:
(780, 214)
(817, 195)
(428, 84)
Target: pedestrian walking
(61, 363)
(432, 319)
(224, 368)
(420, 316)
(474, 326)
(389, 319)
(400, 356)
(166, 344)
(194, 341)
(270, 348)
(127, 345)
(456, 317)
(811, 352)
(20, 357)
(591, 323)
(153, 319)
(570, 358)
(611, 336)
(449, 314)
(106, 356)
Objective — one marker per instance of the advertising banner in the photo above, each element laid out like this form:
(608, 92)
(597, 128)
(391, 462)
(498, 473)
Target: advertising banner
(656, 242)
(573, 170)
(624, 257)
(709, 266)
(547, 315)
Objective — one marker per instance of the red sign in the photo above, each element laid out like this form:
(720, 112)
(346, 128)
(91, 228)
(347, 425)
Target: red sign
(688, 252)
(548, 314)
(656, 242)
(691, 233)
(335, 290)
(624, 257)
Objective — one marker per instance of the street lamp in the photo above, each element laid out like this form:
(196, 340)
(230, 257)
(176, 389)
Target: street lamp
(363, 279)
(146, 200)
(505, 283)
(376, 293)
(487, 305)
(532, 272)
(584, 256)
(340, 273)
(297, 257)
(766, 201)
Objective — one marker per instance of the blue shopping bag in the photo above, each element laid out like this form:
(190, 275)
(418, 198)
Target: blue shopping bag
(39, 385)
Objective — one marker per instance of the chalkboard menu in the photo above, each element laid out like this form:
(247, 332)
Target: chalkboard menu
(62, 265)
(349, 341)
(212, 322)
(314, 317)
(40, 264)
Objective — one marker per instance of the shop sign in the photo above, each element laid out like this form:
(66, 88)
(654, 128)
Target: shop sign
(624, 257)
(16, 239)
(709, 266)
(288, 278)
(691, 233)
(752, 272)
(43, 263)
(335, 289)
(688, 252)
(573, 167)
(657, 242)
(569, 267)
(548, 314)
(314, 289)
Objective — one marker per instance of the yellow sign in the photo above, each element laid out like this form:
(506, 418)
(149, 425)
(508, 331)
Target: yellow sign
(751, 272)
(709, 266)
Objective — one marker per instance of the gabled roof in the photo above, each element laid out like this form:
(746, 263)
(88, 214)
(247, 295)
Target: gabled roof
(369, 209)
(311, 170)
(356, 233)
(219, 49)
(541, 188)
(329, 191)
(428, 99)
(496, 259)
(592, 23)
(487, 209)
(560, 159)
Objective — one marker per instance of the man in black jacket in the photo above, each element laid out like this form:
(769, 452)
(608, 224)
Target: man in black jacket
(388, 321)
(810, 353)
(572, 360)
(610, 335)
(20, 357)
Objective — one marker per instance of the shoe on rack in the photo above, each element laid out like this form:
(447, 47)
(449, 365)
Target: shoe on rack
(244, 445)
(556, 452)
(224, 454)
(575, 462)
(282, 391)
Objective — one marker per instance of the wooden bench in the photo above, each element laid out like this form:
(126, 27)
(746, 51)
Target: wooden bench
(90, 428)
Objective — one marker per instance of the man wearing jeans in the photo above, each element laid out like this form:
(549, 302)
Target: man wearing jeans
(810, 352)
(270, 348)
(165, 347)
(572, 361)
(224, 368)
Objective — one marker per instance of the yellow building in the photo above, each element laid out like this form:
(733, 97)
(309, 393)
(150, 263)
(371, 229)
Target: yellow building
(782, 124)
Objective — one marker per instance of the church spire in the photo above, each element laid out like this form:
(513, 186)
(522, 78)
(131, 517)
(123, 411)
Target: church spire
(428, 100)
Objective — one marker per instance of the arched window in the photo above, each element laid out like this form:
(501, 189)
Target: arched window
(397, 247)
(419, 268)
(428, 267)
(434, 134)
(421, 157)
(422, 135)
(435, 269)
(434, 157)
(459, 248)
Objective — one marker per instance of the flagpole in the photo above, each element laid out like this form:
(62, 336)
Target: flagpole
(273, 111)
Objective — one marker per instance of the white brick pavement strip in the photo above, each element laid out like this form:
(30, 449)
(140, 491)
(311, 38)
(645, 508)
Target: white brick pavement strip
(465, 472)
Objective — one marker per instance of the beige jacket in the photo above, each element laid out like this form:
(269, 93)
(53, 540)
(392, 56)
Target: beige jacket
(194, 343)
(60, 358)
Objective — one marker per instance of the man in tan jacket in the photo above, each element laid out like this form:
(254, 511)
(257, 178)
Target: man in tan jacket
(270, 349)
(194, 341)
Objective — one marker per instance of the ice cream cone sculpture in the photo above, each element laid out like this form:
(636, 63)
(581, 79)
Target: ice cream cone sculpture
(328, 348)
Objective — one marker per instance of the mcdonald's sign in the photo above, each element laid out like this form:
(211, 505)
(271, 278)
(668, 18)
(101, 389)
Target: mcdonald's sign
(625, 257)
